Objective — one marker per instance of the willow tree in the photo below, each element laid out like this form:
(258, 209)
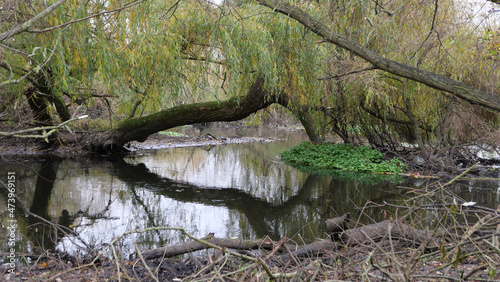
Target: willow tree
(22, 66)
(161, 64)
(402, 47)
(186, 56)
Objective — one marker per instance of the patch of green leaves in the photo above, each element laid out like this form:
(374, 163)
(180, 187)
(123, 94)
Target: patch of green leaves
(341, 156)
(172, 133)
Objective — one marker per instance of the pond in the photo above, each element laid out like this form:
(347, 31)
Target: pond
(236, 190)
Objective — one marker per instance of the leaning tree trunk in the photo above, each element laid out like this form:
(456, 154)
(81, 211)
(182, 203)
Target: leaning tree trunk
(138, 129)
(459, 89)
(302, 113)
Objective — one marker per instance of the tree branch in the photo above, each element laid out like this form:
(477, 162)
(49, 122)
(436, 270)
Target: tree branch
(347, 73)
(28, 24)
(88, 17)
(459, 89)
(47, 130)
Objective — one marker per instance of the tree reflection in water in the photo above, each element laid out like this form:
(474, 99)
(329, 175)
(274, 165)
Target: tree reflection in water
(236, 190)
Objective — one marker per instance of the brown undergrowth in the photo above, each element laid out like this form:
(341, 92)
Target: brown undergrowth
(430, 235)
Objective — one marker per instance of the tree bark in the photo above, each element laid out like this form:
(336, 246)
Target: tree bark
(41, 82)
(350, 237)
(192, 246)
(459, 89)
(38, 106)
(138, 129)
(257, 98)
(362, 235)
(377, 231)
(336, 226)
(302, 113)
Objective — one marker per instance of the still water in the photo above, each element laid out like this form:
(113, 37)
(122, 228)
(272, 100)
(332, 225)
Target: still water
(236, 190)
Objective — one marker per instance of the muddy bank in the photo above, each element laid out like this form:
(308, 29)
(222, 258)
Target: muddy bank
(60, 268)
(69, 147)
(160, 141)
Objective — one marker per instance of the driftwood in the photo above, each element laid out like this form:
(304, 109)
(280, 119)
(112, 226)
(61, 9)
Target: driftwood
(385, 229)
(362, 235)
(337, 226)
(192, 246)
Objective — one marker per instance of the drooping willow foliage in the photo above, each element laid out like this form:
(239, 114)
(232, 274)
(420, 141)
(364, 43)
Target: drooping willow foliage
(149, 55)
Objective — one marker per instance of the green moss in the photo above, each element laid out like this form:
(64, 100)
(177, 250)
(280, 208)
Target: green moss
(341, 156)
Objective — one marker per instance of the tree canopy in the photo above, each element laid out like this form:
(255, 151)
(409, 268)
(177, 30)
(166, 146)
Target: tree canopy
(142, 57)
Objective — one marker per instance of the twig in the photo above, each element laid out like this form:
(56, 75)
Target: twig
(116, 262)
(240, 270)
(26, 25)
(88, 17)
(495, 248)
(318, 266)
(474, 270)
(291, 254)
(347, 73)
(394, 277)
(20, 203)
(440, 277)
(368, 263)
(461, 174)
(37, 68)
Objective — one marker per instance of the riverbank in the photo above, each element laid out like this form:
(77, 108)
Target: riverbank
(397, 249)
(68, 147)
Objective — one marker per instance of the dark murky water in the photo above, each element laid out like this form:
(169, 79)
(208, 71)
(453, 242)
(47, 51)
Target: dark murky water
(238, 190)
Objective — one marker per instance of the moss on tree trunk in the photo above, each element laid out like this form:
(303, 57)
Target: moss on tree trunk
(138, 129)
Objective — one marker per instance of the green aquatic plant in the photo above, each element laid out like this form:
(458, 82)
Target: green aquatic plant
(343, 156)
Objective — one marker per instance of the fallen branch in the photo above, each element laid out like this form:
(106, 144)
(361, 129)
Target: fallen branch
(192, 246)
(349, 237)
(361, 235)
(46, 130)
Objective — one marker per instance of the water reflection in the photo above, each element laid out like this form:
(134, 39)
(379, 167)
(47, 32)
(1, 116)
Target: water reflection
(41, 234)
(240, 190)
